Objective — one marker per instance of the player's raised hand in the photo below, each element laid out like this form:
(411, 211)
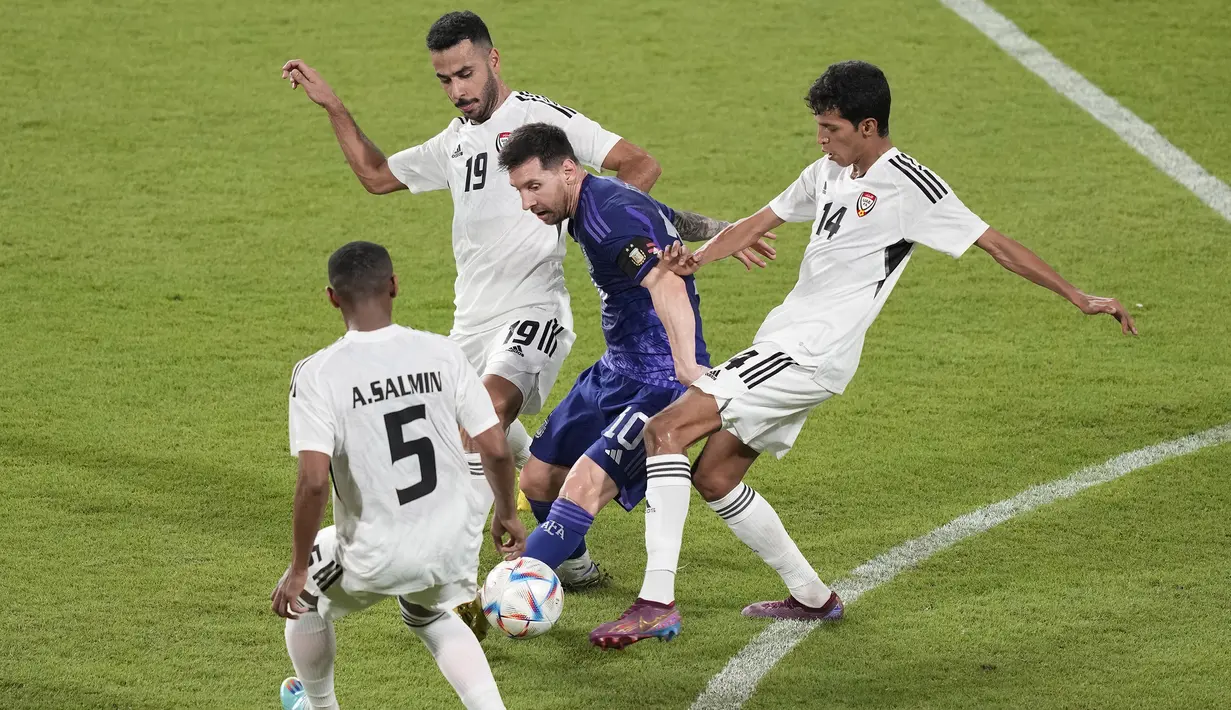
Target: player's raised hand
(679, 260)
(300, 74)
(749, 257)
(285, 597)
(1093, 305)
(516, 532)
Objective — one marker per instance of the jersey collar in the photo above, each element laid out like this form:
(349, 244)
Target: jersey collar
(467, 123)
(369, 336)
(884, 157)
(587, 181)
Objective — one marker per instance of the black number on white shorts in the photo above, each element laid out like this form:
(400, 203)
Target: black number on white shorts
(523, 332)
(754, 370)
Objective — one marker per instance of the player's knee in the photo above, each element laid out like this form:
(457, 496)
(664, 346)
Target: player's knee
(507, 399)
(538, 482)
(662, 435)
(711, 486)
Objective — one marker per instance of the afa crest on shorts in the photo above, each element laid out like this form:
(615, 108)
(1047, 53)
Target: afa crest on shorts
(502, 140)
(865, 204)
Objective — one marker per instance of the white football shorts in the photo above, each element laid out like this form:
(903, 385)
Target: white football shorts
(327, 587)
(764, 397)
(527, 351)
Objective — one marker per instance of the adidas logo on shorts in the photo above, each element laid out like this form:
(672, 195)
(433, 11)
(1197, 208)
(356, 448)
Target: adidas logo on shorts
(615, 454)
(517, 350)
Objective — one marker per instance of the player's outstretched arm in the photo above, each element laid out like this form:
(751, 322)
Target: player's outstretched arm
(734, 239)
(365, 159)
(633, 165)
(311, 495)
(674, 309)
(694, 227)
(1017, 258)
(493, 447)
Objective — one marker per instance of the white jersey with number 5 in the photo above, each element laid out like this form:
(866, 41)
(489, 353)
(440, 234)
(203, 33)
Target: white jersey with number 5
(508, 261)
(386, 405)
(863, 232)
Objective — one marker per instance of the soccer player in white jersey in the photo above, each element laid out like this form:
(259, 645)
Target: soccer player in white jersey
(380, 411)
(869, 205)
(512, 316)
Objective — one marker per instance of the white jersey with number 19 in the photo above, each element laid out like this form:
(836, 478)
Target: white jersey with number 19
(508, 261)
(385, 406)
(863, 232)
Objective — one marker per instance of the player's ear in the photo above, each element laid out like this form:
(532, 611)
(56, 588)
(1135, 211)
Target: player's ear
(493, 59)
(868, 127)
(333, 297)
(393, 286)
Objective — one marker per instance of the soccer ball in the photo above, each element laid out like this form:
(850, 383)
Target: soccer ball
(522, 598)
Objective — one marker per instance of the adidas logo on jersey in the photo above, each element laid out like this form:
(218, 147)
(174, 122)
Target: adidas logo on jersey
(516, 349)
(457, 152)
(615, 454)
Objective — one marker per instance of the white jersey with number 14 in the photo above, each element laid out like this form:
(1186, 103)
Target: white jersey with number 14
(863, 232)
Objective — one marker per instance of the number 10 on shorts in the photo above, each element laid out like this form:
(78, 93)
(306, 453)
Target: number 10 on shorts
(637, 420)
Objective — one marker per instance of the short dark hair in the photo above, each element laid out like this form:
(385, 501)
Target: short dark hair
(544, 141)
(857, 90)
(360, 270)
(455, 27)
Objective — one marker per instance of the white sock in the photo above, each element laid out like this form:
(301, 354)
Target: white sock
(479, 479)
(754, 521)
(667, 486)
(311, 646)
(462, 662)
(519, 444)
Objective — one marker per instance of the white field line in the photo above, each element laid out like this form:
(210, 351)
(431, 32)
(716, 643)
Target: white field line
(735, 683)
(1139, 135)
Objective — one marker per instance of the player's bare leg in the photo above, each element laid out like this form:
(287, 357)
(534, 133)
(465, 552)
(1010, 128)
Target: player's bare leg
(541, 482)
(719, 478)
(668, 435)
(508, 401)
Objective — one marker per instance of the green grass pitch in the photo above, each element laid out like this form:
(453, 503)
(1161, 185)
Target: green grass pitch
(167, 205)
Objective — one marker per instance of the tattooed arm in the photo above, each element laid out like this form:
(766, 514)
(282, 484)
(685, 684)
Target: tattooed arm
(695, 227)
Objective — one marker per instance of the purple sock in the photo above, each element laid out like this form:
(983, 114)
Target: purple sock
(558, 537)
(542, 509)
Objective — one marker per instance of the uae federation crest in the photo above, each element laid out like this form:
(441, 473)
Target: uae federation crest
(503, 139)
(865, 204)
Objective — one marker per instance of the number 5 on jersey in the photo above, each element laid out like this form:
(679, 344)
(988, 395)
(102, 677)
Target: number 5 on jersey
(400, 448)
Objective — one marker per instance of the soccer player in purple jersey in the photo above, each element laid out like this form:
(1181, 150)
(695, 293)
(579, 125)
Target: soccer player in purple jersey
(651, 321)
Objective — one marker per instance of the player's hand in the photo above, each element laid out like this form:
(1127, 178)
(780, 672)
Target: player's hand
(286, 602)
(300, 74)
(749, 257)
(689, 374)
(679, 260)
(511, 526)
(1093, 305)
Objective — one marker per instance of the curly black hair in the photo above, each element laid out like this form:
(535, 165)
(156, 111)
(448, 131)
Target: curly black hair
(857, 90)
